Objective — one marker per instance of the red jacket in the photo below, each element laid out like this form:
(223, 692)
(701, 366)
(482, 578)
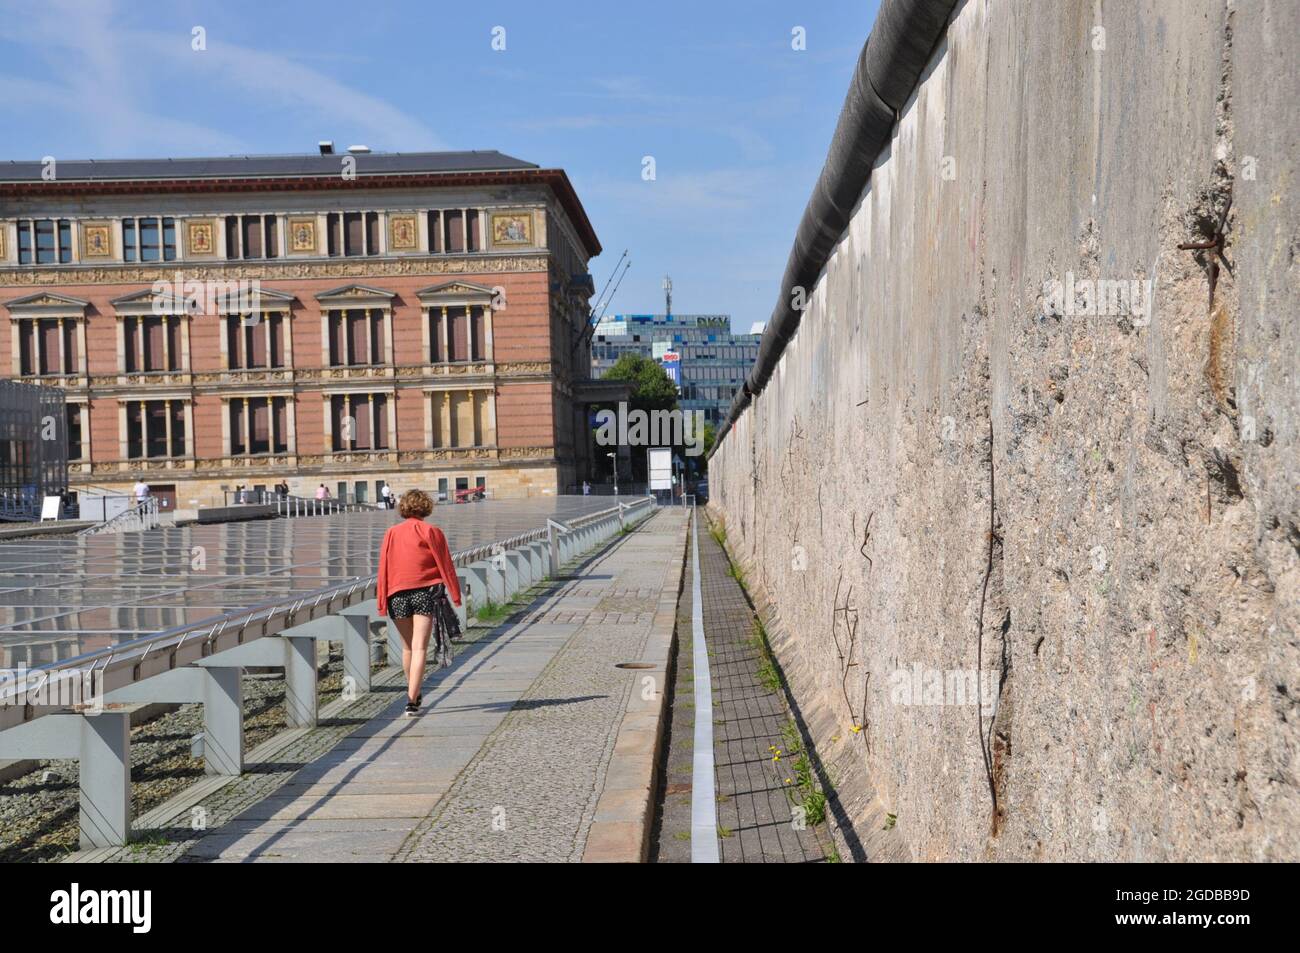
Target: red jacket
(414, 555)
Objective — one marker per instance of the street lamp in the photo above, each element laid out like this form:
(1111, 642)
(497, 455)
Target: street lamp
(613, 462)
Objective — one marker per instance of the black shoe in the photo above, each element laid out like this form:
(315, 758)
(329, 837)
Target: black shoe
(412, 708)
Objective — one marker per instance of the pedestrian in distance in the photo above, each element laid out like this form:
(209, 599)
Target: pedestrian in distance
(417, 585)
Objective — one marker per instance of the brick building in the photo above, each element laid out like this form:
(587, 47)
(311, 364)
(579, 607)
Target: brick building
(346, 319)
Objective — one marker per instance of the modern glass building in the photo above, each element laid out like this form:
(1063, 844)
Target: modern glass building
(33, 448)
(711, 363)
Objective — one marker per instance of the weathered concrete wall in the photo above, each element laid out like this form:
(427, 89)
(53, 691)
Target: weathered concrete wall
(1124, 560)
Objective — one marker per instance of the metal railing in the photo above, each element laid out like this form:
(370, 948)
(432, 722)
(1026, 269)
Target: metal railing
(467, 556)
(142, 516)
(293, 506)
(19, 506)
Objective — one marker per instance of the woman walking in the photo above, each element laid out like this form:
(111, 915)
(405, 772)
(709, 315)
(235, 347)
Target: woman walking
(416, 577)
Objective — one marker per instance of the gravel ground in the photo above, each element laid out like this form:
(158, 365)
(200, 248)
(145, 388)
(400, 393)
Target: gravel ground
(38, 811)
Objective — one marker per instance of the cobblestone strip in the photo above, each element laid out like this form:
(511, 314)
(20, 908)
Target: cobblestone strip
(533, 791)
(755, 808)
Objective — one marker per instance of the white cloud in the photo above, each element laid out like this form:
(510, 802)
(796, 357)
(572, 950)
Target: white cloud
(103, 77)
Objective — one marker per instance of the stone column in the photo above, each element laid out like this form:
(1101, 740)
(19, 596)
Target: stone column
(392, 421)
(425, 337)
(144, 429)
(123, 443)
(248, 429)
(189, 428)
(446, 419)
(139, 344)
(329, 422)
(167, 424)
(428, 420)
(183, 326)
(167, 347)
(266, 320)
(446, 336)
(291, 420)
(224, 340)
(38, 346)
(388, 336)
(63, 353)
(487, 334)
(286, 322)
(83, 360)
(121, 344)
(15, 347)
(227, 445)
(492, 416)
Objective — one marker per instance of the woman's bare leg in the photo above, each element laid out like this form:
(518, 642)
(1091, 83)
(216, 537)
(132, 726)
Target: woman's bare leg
(404, 628)
(418, 649)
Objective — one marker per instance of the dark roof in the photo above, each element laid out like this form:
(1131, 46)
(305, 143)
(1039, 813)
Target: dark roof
(368, 163)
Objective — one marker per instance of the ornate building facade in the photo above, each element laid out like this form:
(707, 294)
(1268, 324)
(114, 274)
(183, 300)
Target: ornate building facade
(351, 320)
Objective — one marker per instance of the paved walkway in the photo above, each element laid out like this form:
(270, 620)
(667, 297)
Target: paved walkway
(756, 793)
(512, 754)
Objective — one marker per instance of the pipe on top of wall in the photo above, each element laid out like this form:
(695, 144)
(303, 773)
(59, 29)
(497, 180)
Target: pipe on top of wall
(890, 65)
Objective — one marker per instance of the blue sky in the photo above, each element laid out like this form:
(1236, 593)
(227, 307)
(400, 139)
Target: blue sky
(737, 121)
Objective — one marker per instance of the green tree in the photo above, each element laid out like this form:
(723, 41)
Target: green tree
(652, 388)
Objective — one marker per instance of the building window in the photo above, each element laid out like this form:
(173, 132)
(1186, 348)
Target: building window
(258, 425)
(457, 334)
(455, 230)
(252, 236)
(40, 350)
(76, 413)
(359, 422)
(352, 234)
(255, 341)
(149, 239)
(461, 418)
(45, 241)
(152, 343)
(155, 428)
(356, 337)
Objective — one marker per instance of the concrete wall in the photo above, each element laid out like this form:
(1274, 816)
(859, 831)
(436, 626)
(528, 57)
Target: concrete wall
(947, 473)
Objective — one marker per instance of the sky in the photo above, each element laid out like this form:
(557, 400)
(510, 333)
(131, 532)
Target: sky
(736, 120)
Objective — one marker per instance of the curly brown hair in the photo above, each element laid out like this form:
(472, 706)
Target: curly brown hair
(415, 503)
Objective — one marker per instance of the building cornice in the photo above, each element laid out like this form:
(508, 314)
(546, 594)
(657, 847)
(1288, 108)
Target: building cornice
(65, 275)
(554, 179)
